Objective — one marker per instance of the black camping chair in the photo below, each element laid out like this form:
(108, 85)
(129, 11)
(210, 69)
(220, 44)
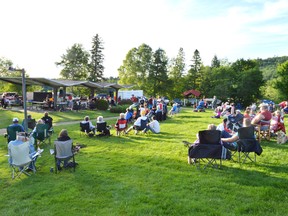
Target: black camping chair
(85, 129)
(247, 144)
(209, 149)
(142, 127)
(102, 129)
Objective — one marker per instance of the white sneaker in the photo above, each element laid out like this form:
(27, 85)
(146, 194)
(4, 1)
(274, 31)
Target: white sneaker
(40, 150)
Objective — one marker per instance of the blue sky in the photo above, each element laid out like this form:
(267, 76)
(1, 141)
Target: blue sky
(34, 34)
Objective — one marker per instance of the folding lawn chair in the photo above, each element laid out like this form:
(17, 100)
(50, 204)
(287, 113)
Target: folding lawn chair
(85, 128)
(12, 132)
(102, 129)
(31, 124)
(121, 126)
(235, 122)
(42, 134)
(263, 130)
(142, 127)
(209, 149)
(247, 144)
(20, 160)
(63, 152)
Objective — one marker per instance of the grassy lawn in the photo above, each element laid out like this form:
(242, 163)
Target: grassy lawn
(7, 115)
(147, 175)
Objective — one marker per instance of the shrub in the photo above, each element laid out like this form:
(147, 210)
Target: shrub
(188, 104)
(118, 109)
(125, 102)
(92, 105)
(102, 104)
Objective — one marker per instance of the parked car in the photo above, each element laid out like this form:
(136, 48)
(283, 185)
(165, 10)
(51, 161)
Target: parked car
(13, 97)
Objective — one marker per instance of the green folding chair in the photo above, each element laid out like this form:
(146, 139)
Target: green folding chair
(12, 132)
(42, 134)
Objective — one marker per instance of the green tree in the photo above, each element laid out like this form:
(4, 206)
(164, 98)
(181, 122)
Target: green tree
(206, 85)
(281, 82)
(193, 78)
(74, 63)
(176, 75)
(96, 68)
(136, 66)
(220, 82)
(158, 75)
(4, 72)
(248, 86)
(4, 65)
(215, 62)
(246, 81)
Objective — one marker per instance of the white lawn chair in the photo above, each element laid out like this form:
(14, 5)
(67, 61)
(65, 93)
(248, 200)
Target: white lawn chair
(20, 160)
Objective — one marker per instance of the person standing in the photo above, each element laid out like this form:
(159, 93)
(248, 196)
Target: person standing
(214, 102)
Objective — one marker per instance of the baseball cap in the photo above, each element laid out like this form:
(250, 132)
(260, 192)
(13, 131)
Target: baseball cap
(15, 120)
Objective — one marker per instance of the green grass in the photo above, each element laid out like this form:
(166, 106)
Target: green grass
(148, 175)
(7, 115)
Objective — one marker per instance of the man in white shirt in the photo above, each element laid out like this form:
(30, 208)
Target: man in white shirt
(91, 126)
(153, 126)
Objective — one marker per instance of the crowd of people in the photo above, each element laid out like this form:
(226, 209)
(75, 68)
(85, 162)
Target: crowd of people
(264, 117)
(147, 115)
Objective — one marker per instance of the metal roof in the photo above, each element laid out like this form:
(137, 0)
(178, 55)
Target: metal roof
(59, 83)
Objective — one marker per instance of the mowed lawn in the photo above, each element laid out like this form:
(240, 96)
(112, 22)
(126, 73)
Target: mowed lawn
(148, 175)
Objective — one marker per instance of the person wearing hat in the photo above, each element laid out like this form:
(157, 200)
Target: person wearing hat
(263, 115)
(21, 139)
(16, 124)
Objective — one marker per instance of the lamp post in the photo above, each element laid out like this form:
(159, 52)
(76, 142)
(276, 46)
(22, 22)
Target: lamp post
(24, 95)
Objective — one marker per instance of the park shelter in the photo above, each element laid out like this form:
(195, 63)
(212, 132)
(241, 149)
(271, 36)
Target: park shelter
(192, 92)
(56, 84)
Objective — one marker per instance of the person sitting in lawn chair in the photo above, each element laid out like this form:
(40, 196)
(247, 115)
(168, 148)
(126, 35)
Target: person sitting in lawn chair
(102, 127)
(49, 121)
(277, 122)
(22, 139)
(200, 107)
(153, 126)
(174, 109)
(195, 145)
(121, 124)
(139, 124)
(91, 126)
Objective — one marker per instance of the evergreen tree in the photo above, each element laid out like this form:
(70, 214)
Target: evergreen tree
(158, 77)
(194, 77)
(96, 68)
(215, 62)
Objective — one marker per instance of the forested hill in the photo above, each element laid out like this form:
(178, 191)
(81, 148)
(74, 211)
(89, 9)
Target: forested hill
(268, 66)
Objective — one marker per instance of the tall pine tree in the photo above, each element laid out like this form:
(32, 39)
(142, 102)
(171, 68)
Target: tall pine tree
(96, 68)
(194, 75)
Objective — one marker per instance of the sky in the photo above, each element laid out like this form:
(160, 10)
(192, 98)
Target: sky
(35, 34)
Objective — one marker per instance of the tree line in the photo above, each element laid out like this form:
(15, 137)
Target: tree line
(242, 81)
